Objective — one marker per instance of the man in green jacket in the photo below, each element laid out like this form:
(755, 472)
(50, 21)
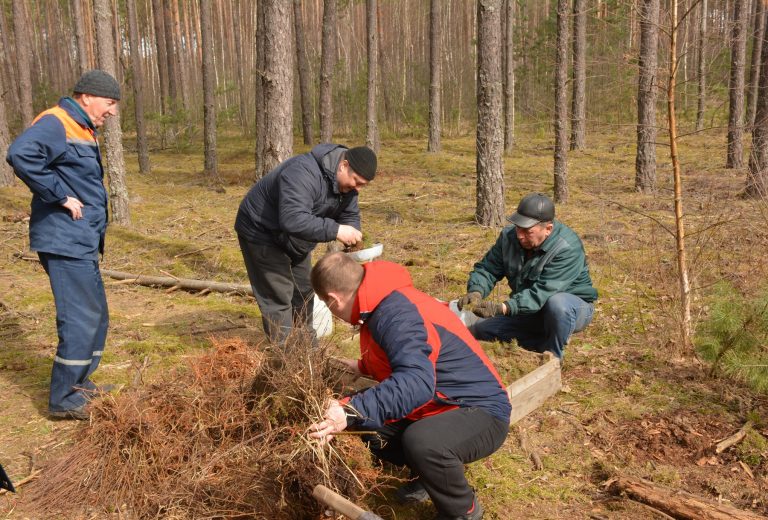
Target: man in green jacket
(546, 269)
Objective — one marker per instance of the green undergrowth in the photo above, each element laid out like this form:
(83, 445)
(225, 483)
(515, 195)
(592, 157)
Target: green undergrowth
(734, 336)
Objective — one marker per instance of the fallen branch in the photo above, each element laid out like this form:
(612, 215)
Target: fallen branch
(677, 504)
(32, 476)
(733, 439)
(188, 284)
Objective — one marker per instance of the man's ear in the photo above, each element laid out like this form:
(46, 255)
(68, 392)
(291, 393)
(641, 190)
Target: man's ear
(334, 300)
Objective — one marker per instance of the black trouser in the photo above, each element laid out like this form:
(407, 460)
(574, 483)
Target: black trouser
(437, 447)
(281, 287)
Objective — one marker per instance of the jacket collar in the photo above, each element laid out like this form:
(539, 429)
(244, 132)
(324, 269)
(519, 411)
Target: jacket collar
(77, 113)
(380, 279)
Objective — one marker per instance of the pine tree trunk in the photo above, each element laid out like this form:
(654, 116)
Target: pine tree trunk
(6, 172)
(137, 80)
(259, 91)
(757, 176)
(162, 60)
(754, 69)
(579, 103)
(22, 38)
(509, 74)
(735, 152)
(211, 168)
(115, 164)
(645, 160)
(11, 96)
(82, 53)
(435, 74)
(242, 66)
(490, 141)
(278, 85)
(170, 56)
(561, 103)
(702, 84)
(327, 65)
(372, 124)
(301, 59)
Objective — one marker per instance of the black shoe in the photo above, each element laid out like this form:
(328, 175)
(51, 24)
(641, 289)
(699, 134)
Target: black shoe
(412, 492)
(81, 413)
(476, 513)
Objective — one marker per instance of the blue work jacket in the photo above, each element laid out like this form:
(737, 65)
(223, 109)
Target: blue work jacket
(58, 157)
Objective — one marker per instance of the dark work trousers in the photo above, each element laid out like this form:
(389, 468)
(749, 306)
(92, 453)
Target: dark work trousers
(82, 319)
(281, 287)
(437, 447)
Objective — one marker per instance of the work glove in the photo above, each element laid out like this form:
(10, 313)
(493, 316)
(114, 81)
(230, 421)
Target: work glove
(490, 309)
(471, 298)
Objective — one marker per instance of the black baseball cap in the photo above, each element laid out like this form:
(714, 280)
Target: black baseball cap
(533, 209)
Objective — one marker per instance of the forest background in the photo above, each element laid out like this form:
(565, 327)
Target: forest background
(216, 92)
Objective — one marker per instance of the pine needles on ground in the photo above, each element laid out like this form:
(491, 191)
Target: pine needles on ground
(225, 438)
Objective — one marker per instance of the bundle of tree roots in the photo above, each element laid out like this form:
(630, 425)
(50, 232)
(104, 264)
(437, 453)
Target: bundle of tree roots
(223, 438)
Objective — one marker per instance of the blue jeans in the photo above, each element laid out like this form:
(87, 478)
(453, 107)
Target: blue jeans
(547, 330)
(82, 319)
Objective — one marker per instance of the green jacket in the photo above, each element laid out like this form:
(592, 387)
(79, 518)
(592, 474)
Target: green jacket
(558, 265)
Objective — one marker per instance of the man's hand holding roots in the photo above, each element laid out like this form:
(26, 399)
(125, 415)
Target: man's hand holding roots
(335, 420)
(490, 309)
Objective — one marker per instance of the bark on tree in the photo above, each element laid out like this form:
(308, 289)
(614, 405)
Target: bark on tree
(757, 176)
(137, 81)
(6, 172)
(490, 166)
(372, 125)
(301, 59)
(735, 152)
(278, 85)
(702, 83)
(561, 103)
(241, 88)
(509, 76)
(435, 74)
(82, 53)
(327, 65)
(685, 287)
(579, 101)
(162, 61)
(113, 135)
(22, 38)
(170, 55)
(259, 91)
(754, 69)
(211, 168)
(645, 160)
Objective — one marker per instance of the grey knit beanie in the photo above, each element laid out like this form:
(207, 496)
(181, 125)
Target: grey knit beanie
(98, 83)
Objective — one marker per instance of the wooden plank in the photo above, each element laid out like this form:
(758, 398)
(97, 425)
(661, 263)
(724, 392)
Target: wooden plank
(530, 391)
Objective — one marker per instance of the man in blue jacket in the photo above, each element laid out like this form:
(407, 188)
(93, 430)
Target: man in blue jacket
(440, 402)
(307, 199)
(546, 269)
(58, 158)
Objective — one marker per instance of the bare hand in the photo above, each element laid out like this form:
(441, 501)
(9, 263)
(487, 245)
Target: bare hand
(75, 208)
(335, 421)
(351, 366)
(348, 235)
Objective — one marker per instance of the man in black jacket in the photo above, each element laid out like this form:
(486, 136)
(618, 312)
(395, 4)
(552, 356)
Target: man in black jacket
(304, 200)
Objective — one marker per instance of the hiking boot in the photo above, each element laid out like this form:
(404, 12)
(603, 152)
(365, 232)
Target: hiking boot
(81, 413)
(412, 492)
(476, 513)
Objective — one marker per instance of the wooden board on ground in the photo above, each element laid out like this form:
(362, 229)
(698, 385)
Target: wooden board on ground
(526, 394)
(530, 391)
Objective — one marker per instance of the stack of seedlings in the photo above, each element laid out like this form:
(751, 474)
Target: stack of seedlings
(223, 438)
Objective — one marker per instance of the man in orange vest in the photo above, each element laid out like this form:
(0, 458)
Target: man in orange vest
(58, 158)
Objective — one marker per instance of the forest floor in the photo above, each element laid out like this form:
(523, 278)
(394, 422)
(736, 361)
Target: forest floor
(633, 403)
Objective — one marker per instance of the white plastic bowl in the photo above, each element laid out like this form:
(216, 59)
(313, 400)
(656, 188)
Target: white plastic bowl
(367, 254)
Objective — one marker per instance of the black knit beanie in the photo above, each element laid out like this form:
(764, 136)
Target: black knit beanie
(98, 83)
(363, 160)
